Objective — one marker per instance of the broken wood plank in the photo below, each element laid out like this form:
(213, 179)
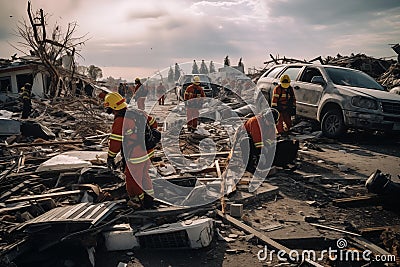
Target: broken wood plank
(33, 197)
(371, 230)
(17, 188)
(364, 200)
(46, 143)
(222, 186)
(7, 172)
(270, 242)
(224, 153)
(369, 245)
(334, 229)
(256, 233)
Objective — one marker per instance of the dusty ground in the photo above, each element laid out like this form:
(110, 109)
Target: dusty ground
(306, 192)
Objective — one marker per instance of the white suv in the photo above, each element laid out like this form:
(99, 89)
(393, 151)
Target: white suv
(339, 98)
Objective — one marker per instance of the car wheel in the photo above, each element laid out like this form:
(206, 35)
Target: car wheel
(332, 124)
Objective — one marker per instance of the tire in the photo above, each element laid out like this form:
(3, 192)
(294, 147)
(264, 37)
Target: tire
(332, 124)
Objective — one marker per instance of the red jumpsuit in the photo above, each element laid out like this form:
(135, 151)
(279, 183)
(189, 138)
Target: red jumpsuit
(161, 94)
(192, 108)
(136, 171)
(279, 101)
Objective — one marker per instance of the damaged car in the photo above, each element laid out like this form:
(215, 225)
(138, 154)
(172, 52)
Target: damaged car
(339, 98)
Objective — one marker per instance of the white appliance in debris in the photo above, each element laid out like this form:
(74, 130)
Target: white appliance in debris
(188, 234)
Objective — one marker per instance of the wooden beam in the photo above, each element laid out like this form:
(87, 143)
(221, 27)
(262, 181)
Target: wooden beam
(224, 153)
(256, 233)
(369, 245)
(33, 197)
(365, 200)
(265, 239)
(46, 143)
(334, 229)
(378, 229)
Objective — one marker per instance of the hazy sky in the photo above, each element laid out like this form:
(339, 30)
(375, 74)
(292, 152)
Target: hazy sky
(130, 38)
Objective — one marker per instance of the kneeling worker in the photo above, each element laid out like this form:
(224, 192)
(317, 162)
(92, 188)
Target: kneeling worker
(261, 133)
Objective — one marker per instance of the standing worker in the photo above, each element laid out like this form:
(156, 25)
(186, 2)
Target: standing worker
(284, 100)
(193, 104)
(122, 89)
(161, 93)
(127, 127)
(26, 95)
(140, 92)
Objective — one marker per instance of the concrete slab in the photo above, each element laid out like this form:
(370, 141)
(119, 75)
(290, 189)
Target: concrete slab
(71, 160)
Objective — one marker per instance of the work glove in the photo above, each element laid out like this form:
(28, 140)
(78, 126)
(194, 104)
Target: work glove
(111, 163)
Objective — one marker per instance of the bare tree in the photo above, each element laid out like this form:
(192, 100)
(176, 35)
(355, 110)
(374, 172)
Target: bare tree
(94, 72)
(50, 48)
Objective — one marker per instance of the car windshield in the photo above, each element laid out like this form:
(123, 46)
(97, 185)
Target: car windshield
(353, 78)
(203, 79)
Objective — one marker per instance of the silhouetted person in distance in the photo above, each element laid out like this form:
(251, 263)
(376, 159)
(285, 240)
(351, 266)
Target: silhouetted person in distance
(26, 94)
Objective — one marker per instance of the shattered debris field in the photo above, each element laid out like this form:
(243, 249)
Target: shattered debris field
(323, 202)
(61, 205)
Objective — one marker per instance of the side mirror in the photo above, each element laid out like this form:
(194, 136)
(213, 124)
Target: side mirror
(318, 80)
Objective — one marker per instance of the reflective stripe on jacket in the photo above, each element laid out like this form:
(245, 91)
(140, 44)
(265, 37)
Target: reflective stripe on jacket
(280, 97)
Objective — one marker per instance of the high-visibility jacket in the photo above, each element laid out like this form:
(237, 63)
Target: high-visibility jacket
(116, 136)
(283, 98)
(263, 135)
(25, 94)
(193, 91)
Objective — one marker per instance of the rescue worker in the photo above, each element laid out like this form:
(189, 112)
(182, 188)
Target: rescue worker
(261, 134)
(161, 93)
(284, 100)
(138, 182)
(26, 95)
(192, 93)
(140, 92)
(122, 89)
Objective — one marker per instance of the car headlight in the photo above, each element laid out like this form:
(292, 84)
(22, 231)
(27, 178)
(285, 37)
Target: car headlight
(364, 102)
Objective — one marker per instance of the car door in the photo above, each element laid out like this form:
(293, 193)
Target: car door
(308, 94)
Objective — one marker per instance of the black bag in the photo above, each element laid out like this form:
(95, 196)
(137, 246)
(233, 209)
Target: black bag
(285, 152)
(150, 135)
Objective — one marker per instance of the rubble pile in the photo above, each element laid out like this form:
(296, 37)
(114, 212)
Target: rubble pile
(391, 78)
(372, 66)
(58, 195)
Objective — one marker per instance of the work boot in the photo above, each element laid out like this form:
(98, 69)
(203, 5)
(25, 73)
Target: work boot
(148, 202)
(135, 203)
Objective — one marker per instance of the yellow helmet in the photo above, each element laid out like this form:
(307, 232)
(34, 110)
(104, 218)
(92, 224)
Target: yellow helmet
(137, 81)
(115, 101)
(285, 81)
(196, 80)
